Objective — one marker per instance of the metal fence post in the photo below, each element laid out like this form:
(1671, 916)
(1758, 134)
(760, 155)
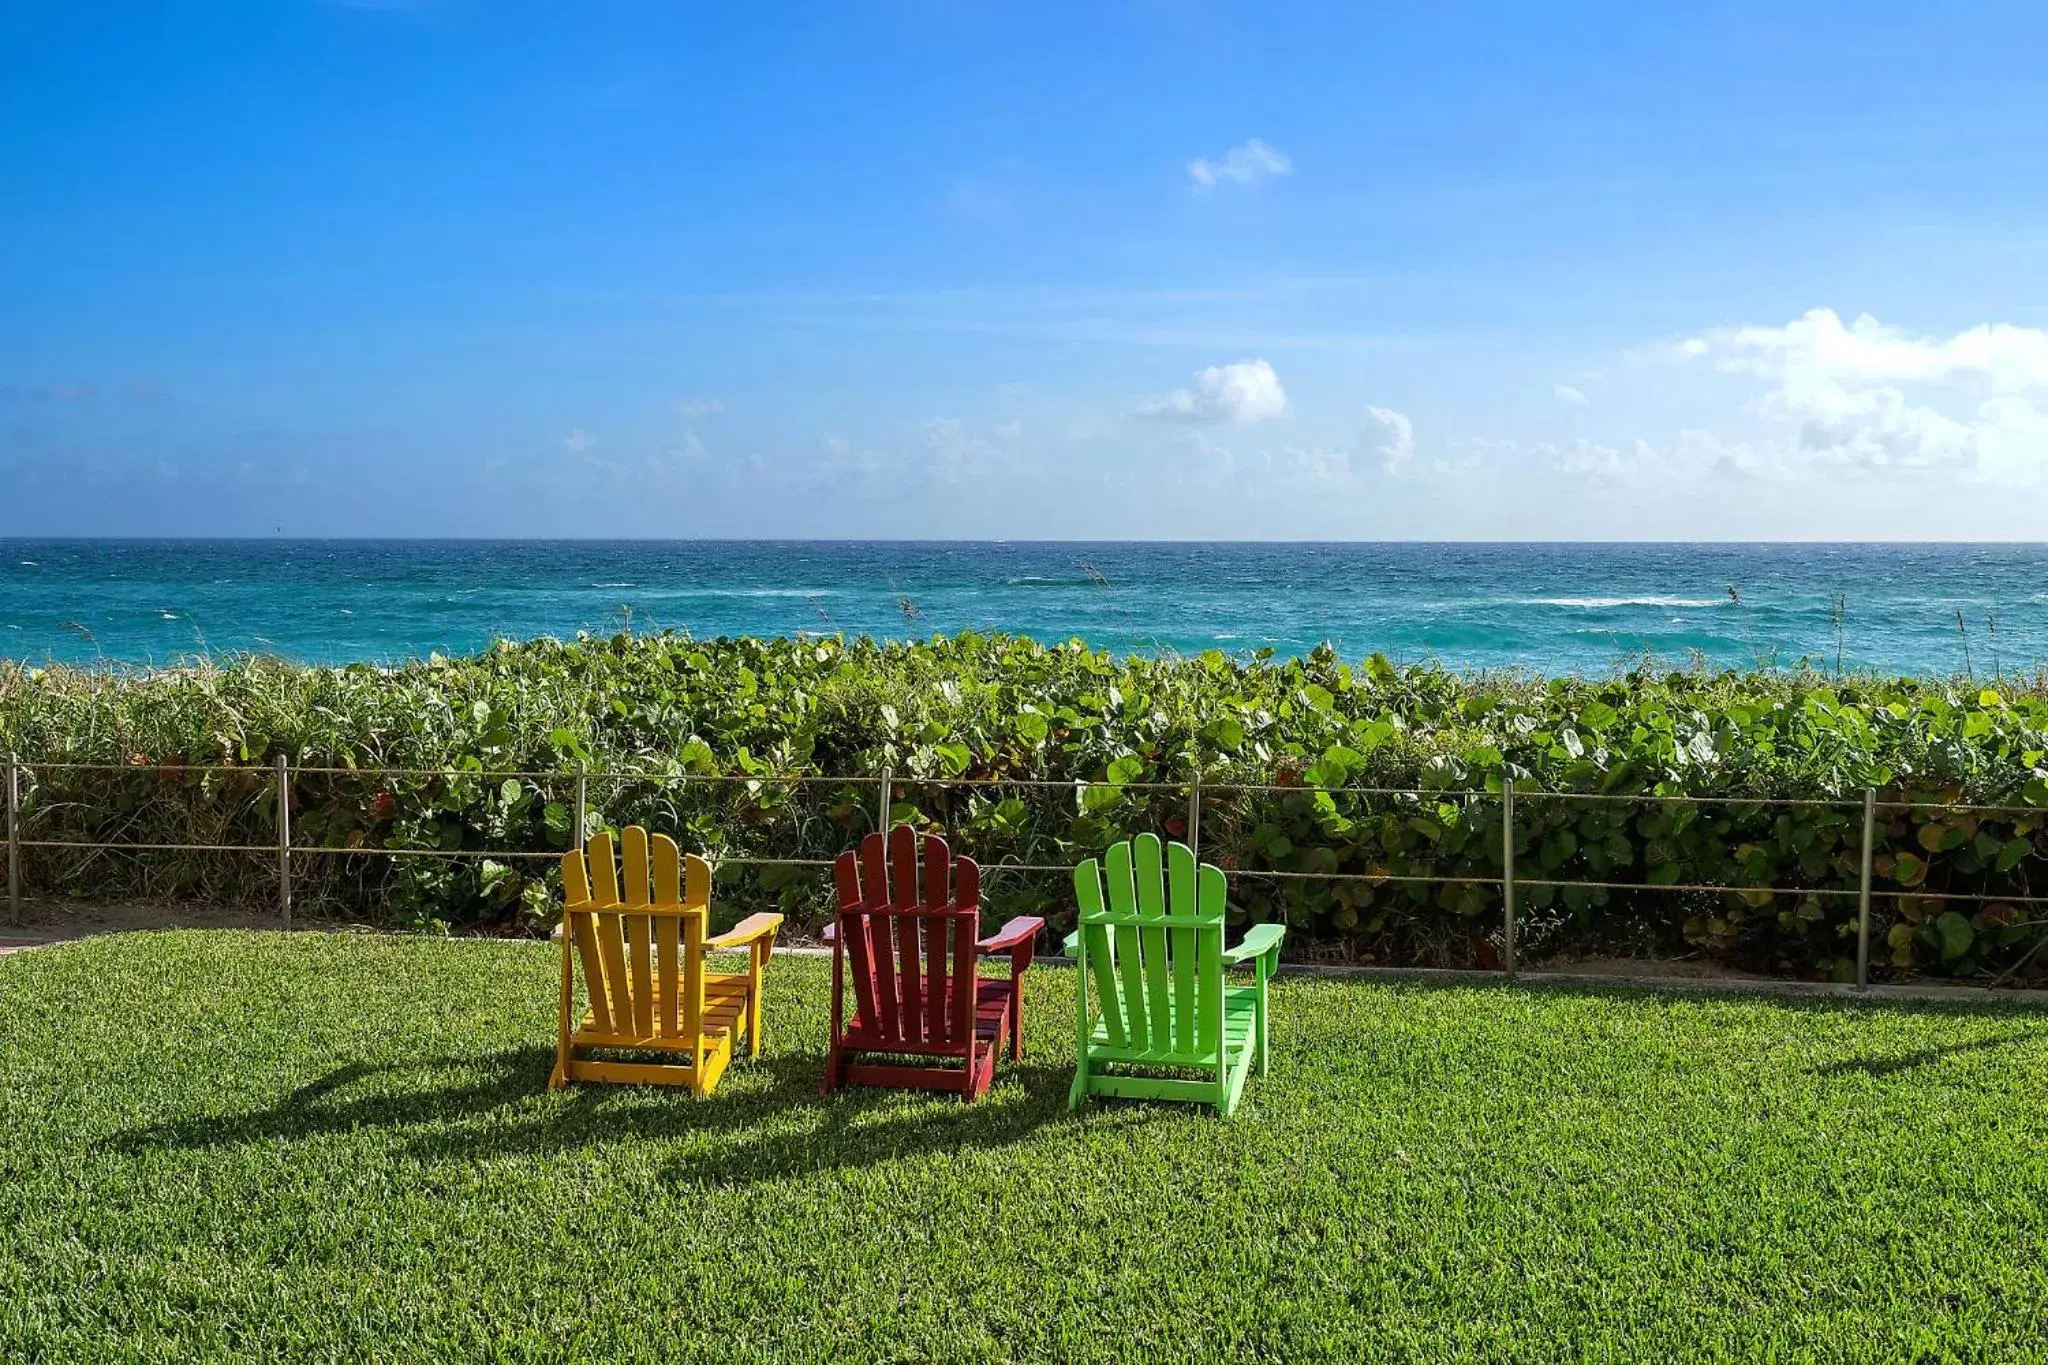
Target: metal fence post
(882, 806)
(284, 839)
(1195, 815)
(1507, 874)
(14, 838)
(582, 803)
(1863, 891)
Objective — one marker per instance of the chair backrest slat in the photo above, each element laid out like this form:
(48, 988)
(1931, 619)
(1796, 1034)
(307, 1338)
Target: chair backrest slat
(1180, 890)
(1152, 943)
(938, 1013)
(874, 870)
(583, 925)
(1130, 958)
(697, 896)
(1149, 882)
(903, 889)
(849, 871)
(638, 931)
(1098, 950)
(633, 866)
(665, 876)
(611, 946)
(575, 879)
(902, 867)
(604, 872)
(1211, 894)
(881, 932)
(668, 969)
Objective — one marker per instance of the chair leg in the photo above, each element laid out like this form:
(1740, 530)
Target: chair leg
(757, 959)
(981, 1069)
(1078, 1091)
(1259, 1058)
(1016, 1020)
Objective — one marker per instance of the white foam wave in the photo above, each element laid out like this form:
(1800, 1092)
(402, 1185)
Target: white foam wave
(1595, 603)
(747, 592)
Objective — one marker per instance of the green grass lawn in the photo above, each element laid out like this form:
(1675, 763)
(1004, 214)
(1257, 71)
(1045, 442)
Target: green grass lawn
(310, 1147)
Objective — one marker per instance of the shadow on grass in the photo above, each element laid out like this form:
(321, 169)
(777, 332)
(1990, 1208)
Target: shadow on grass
(1889, 1066)
(766, 1121)
(1968, 1001)
(467, 1087)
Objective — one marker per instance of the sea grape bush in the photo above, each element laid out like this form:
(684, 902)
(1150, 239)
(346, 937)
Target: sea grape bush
(955, 720)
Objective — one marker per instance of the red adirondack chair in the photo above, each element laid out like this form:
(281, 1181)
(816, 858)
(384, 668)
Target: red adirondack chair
(909, 945)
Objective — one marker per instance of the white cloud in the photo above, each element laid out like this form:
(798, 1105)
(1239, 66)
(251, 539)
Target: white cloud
(697, 409)
(1397, 448)
(1871, 395)
(578, 441)
(1569, 396)
(1819, 346)
(1243, 165)
(1692, 457)
(1248, 391)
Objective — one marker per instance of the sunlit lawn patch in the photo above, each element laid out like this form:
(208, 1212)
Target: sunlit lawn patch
(221, 1145)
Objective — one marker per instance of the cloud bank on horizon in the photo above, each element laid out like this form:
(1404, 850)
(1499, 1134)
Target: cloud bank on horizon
(1287, 274)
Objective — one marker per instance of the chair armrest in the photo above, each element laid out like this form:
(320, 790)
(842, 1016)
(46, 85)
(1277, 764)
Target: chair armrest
(1070, 946)
(747, 931)
(1263, 939)
(1022, 929)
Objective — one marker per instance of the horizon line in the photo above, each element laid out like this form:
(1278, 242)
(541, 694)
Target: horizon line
(276, 539)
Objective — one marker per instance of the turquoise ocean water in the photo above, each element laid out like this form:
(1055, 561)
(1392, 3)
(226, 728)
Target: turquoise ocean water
(1556, 607)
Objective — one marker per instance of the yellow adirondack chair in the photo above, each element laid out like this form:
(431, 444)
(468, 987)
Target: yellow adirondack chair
(639, 930)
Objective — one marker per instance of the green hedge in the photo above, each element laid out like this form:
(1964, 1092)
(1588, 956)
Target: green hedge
(995, 707)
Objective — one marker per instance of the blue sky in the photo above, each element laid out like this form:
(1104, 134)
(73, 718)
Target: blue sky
(1151, 269)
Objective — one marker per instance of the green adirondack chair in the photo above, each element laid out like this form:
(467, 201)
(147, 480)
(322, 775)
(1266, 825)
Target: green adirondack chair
(1152, 944)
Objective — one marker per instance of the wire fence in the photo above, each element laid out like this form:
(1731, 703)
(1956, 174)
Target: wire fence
(280, 777)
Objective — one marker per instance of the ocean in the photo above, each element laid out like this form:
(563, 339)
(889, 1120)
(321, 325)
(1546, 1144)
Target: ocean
(1553, 607)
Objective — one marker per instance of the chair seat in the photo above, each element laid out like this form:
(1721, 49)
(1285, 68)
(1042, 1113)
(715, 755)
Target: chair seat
(725, 1007)
(991, 1004)
(1240, 1029)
